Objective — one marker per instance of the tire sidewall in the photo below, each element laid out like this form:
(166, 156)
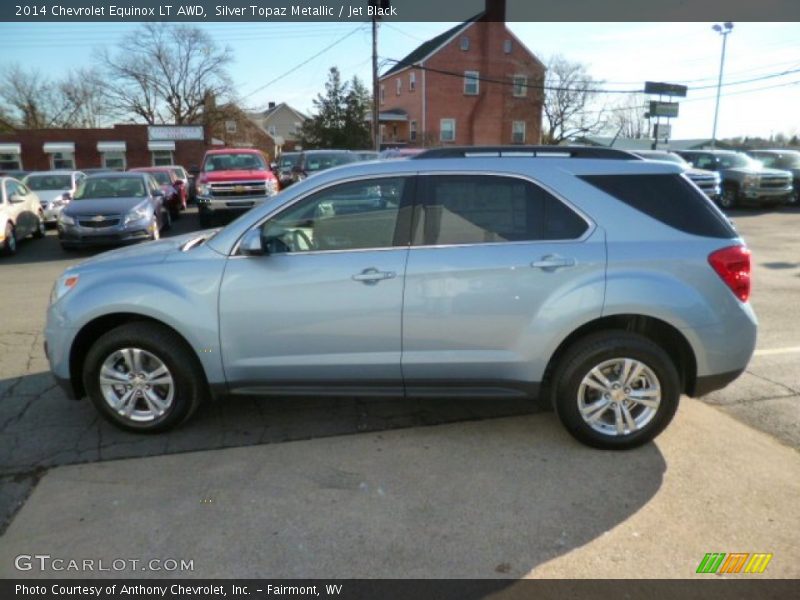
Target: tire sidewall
(185, 394)
(575, 367)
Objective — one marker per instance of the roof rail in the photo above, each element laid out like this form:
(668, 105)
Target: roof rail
(527, 151)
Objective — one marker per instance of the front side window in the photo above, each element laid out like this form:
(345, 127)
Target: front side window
(62, 160)
(481, 209)
(162, 158)
(447, 130)
(471, 83)
(351, 216)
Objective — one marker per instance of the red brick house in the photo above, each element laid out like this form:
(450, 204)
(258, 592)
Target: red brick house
(474, 84)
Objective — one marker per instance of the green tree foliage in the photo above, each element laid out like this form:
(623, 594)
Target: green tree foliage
(340, 119)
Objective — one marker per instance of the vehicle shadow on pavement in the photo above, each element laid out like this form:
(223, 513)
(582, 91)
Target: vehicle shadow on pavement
(40, 428)
(486, 499)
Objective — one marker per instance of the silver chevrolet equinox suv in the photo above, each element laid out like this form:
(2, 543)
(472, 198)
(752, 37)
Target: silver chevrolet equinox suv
(607, 284)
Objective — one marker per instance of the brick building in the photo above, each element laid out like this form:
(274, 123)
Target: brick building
(473, 84)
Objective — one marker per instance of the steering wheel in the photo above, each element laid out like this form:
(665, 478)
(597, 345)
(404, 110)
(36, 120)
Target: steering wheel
(298, 236)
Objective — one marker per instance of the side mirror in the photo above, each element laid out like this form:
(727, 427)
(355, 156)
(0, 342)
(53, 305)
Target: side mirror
(251, 244)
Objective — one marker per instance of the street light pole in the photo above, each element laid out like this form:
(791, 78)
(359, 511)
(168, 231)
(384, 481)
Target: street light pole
(723, 30)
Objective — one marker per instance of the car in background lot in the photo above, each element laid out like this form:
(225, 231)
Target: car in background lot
(55, 190)
(708, 181)
(232, 181)
(744, 179)
(311, 162)
(607, 284)
(788, 160)
(285, 165)
(168, 180)
(366, 154)
(184, 183)
(16, 174)
(20, 214)
(111, 209)
(400, 153)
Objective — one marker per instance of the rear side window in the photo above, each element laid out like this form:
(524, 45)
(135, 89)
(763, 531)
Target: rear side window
(668, 198)
(479, 209)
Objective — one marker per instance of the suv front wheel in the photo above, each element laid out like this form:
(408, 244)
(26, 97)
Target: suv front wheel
(616, 390)
(143, 377)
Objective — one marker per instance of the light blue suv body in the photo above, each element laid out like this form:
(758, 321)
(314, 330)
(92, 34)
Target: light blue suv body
(461, 275)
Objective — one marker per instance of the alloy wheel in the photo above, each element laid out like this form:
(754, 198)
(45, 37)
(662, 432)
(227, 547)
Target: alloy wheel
(136, 384)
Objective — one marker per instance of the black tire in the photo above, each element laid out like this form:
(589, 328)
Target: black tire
(594, 350)
(175, 213)
(10, 244)
(189, 388)
(729, 198)
(166, 220)
(41, 228)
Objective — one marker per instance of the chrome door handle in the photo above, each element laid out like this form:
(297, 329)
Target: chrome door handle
(373, 275)
(553, 261)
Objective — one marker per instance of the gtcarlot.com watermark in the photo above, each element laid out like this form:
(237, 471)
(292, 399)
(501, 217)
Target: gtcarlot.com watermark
(48, 563)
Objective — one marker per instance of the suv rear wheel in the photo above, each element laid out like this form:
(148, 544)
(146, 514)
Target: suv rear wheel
(143, 377)
(616, 390)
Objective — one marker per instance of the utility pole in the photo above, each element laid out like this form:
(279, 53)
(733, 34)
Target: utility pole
(376, 132)
(723, 30)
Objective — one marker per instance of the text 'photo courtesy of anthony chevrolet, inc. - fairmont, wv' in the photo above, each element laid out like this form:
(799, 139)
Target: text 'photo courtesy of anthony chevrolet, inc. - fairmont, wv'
(399, 299)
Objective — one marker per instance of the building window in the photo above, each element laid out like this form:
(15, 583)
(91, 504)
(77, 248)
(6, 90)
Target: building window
(447, 130)
(272, 130)
(412, 131)
(507, 46)
(62, 160)
(162, 157)
(471, 83)
(412, 81)
(398, 85)
(518, 132)
(465, 43)
(114, 160)
(10, 162)
(383, 93)
(520, 86)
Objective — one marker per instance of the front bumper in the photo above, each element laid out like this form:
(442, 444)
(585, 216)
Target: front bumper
(77, 236)
(51, 214)
(767, 195)
(210, 204)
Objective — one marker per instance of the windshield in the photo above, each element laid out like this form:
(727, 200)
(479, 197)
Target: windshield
(234, 162)
(288, 161)
(735, 161)
(778, 161)
(161, 177)
(49, 182)
(319, 162)
(111, 187)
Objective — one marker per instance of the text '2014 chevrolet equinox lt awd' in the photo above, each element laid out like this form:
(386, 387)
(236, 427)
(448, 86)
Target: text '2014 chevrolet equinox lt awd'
(608, 283)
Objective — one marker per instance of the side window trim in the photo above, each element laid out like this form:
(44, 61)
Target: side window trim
(591, 226)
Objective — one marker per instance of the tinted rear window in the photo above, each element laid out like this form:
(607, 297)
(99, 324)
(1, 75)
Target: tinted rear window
(668, 198)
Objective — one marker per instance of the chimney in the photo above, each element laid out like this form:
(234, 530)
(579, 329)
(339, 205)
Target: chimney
(495, 11)
(271, 105)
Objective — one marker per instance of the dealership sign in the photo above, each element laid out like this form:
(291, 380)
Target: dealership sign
(656, 88)
(175, 132)
(663, 109)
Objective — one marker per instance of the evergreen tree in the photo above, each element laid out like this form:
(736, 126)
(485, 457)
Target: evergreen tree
(340, 116)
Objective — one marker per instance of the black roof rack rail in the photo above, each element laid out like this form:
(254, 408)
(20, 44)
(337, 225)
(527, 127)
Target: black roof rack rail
(527, 151)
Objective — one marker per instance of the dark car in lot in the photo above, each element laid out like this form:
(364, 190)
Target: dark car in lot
(168, 180)
(708, 181)
(788, 160)
(314, 161)
(114, 209)
(285, 165)
(744, 179)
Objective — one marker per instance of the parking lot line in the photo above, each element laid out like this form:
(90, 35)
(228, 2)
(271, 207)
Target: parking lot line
(770, 351)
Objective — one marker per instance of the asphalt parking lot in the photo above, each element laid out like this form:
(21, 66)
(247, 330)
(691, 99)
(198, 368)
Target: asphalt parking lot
(40, 429)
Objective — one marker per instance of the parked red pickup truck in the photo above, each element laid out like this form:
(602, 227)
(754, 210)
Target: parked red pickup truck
(233, 180)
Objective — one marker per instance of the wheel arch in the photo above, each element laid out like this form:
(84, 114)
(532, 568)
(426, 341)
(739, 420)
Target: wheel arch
(662, 333)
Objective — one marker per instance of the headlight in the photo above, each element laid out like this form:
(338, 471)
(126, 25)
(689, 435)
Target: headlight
(272, 187)
(65, 219)
(203, 189)
(717, 177)
(63, 284)
(137, 214)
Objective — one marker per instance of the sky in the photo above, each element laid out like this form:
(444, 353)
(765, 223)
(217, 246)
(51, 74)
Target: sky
(272, 61)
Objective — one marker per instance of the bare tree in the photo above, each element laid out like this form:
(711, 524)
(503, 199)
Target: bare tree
(568, 97)
(165, 73)
(84, 93)
(627, 120)
(28, 97)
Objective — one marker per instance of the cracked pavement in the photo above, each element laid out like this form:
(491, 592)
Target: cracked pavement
(40, 428)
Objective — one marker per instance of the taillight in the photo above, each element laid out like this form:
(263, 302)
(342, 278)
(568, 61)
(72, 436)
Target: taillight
(732, 264)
